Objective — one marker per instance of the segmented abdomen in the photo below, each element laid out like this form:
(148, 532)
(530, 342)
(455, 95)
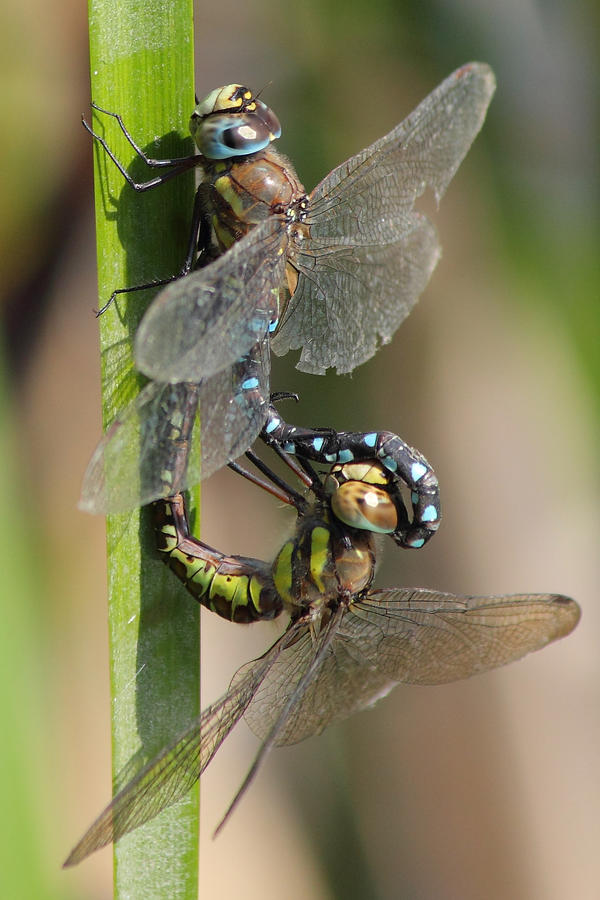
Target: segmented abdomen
(237, 588)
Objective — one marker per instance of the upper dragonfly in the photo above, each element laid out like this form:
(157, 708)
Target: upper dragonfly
(332, 273)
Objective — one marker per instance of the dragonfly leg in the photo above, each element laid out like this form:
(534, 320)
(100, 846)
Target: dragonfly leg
(198, 243)
(181, 163)
(275, 485)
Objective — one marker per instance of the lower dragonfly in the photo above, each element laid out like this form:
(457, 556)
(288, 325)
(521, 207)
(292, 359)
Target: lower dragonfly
(346, 645)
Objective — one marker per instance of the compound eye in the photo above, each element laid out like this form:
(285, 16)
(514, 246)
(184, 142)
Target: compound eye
(365, 506)
(220, 137)
(269, 119)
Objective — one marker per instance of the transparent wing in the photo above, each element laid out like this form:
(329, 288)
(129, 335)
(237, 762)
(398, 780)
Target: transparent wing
(144, 456)
(367, 254)
(411, 636)
(170, 775)
(353, 298)
(161, 783)
(405, 636)
(232, 411)
(204, 322)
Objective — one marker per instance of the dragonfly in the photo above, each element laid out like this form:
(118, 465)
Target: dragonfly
(332, 273)
(347, 643)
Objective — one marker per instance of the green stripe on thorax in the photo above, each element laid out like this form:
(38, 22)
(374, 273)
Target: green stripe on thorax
(282, 571)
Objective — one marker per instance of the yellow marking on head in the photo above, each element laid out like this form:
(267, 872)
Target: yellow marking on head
(369, 472)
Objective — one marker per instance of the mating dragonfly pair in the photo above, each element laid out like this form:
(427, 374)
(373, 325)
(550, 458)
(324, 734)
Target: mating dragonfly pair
(354, 256)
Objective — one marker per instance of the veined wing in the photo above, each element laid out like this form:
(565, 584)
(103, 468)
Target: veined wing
(144, 456)
(301, 684)
(369, 254)
(204, 322)
(408, 636)
(295, 686)
(170, 775)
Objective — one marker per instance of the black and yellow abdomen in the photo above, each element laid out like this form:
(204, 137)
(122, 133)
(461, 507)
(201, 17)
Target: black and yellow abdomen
(237, 588)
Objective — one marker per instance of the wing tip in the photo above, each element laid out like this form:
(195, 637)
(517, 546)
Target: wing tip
(482, 71)
(84, 848)
(568, 615)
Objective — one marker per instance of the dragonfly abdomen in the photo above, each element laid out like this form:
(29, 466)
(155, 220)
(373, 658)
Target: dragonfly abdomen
(401, 461)
(237, 588)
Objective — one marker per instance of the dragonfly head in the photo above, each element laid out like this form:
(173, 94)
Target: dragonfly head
(231, 121)
(362, 495)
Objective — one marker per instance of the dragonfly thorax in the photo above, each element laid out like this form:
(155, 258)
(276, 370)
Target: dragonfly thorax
(319, 567)
(245, 192)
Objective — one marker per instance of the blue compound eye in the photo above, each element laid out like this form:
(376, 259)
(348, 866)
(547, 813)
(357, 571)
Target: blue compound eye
(364, 506)
(239, 130)
(235, 136)
(223, 136)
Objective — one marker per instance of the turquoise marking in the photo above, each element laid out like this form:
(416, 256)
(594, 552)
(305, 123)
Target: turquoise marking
(390, 463)
(417, 470)
(430, 514)
(249, 384)
(290, 447)
(414, 497)
(370, 439)
(417, 543)
(330, 457)
(345, 456)
(318, 444)
(273, 326)
(273, 424)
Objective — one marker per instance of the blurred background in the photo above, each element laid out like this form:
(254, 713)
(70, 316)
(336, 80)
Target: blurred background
(486, 788)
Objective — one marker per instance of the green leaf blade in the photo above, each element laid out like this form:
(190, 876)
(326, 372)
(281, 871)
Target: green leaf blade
(141, 57)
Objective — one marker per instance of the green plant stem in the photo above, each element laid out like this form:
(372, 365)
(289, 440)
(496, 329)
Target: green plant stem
(141, 56)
